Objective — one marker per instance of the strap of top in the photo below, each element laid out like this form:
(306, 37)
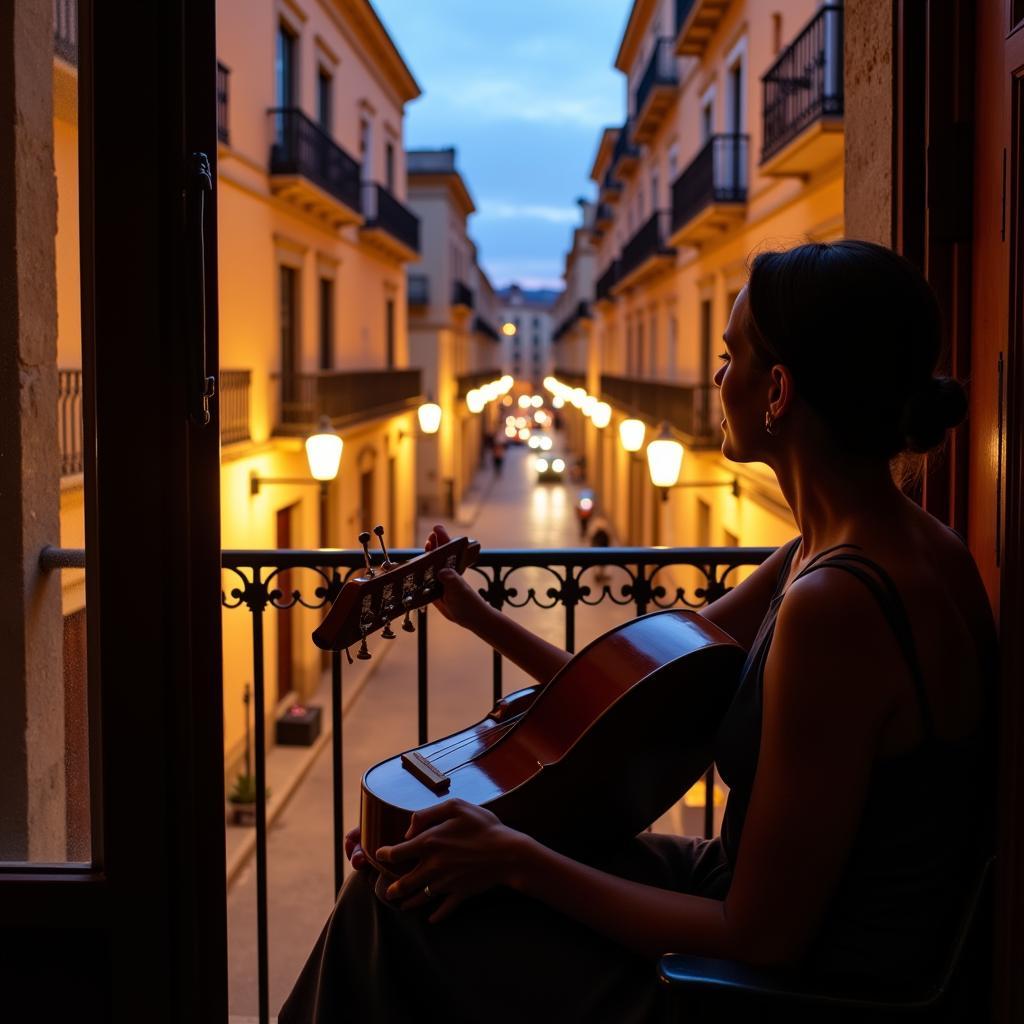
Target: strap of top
(888, 597)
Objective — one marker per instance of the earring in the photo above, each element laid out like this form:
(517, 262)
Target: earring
(769, 422)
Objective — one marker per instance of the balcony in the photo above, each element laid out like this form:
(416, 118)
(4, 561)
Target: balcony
(418, 290)
(581, 310)
(647, 253)
(222, 103)
(234, 386)
(573, 378)
(691, 408)
(389, 225)
(477, 379)
(462, 295)
(604, 216)
(803, 100)
(625, 155)
(346, 397)
(308, 168)
(610, 190)
(65, 30)
(656, 92)
(488, 330)
(69, 421)
(605, 283)
(697, 21)
(710, 196)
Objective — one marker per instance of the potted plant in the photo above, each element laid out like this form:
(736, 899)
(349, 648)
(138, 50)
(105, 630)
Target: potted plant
(242, 797)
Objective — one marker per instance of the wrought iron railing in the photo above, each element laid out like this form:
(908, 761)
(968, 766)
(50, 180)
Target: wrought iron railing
(418, 289)
(487, 329)
(604, 215)
(717, 174)
(610, 187)
(806, 82)
(65, 30)
(579, 311)
(234, 405)
(468, 381)
(346, 396)
(661, 70)
(574, 378)
(462, 294)
(302, 147)
(605, 283)
(649, 241)
(690, 408)
(625, 151)
(382, 210)
(222, 102)
(69, 421)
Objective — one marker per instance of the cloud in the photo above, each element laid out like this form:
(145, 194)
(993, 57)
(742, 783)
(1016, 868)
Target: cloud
(497, 209)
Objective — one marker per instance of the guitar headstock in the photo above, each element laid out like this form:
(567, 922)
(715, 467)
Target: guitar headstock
(384, 594)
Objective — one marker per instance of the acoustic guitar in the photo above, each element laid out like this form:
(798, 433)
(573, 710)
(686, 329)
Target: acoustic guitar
(588, 759)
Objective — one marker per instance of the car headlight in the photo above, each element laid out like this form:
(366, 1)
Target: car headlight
(541, 465)
(558, 465)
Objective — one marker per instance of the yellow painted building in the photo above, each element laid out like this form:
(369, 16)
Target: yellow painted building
(733, 142)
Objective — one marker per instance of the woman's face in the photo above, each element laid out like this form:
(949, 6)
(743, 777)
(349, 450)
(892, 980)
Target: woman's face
(743, 385)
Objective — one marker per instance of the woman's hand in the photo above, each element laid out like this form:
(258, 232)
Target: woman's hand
(460, 603)
(457, 849)
(353, 849)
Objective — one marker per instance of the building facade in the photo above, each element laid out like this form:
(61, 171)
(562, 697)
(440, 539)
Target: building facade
(733, 142)
(527, 350)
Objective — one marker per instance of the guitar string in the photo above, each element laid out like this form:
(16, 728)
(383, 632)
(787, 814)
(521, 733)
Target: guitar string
(487, 740)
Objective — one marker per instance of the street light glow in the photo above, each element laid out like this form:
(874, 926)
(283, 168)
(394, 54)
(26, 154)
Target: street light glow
(631, 434)
(323, 451)
(664, 459)
(601, 415)
(429, 414)
(508, 328)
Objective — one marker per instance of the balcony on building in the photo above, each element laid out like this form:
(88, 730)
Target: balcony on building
(696, 22)
(603, 217)
(467, 382)
(346, 397)
(418, 290)
(625, 155)
(462, 295)
(710, 196)
(692, 409)
(647, 253)
(656, 92)
(308, 168)
(222, 104)
(611, 190)
(65, 30)
(234, 391)
(803, 100)
(572, 378)
(388, 224)
(605, 283)
(579, 312)
(488, 330)
(69, 420)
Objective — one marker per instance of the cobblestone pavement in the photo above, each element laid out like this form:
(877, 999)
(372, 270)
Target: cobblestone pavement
(508, 511)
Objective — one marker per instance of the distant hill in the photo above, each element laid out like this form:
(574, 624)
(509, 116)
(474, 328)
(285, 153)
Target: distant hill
(529, 296)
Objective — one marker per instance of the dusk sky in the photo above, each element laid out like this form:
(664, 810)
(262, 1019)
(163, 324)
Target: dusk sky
(522, 90)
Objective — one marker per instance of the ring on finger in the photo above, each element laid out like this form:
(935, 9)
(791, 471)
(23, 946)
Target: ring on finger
(426, 891)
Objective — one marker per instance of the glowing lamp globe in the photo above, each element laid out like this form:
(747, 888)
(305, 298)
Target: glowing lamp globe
(602, 415)
(664, 459)
(323, 451)
(577, 396)
(588, 406)
(508, 329)
(429, 415)
(631, 434)
(476, 401)
(507, 382)
(557, 402)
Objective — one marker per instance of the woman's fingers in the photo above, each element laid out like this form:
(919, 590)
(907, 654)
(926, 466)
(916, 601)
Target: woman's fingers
(420, 821)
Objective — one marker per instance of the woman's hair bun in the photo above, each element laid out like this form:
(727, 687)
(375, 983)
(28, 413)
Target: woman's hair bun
(939, 404)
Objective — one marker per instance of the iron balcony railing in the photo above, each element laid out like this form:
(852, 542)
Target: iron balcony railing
(717, 174)
(302, 147)
(573, 378)
(345, 396)
(234, 405)
(382, 210)
(482, 326)
(418, 289)
(605, 283)
(683, 8)
(625, 152)
(462, 294)
(805, 83)
(580, 310)
(610, 188)
(604, 215)
(222, 102)
(65, 30)
(478, 378)
(69, 421)
(661, 70)
(690, 408)
(648, 242)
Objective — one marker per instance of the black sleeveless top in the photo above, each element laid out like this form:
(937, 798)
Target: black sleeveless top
(894, 908)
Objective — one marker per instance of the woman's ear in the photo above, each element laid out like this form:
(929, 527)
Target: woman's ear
(781, 390)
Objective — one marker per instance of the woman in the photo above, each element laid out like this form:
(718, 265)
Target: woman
(857, 729)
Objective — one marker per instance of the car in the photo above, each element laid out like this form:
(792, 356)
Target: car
(549, 469)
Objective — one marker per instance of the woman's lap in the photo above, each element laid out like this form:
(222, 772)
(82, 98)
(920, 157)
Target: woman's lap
(500, 956)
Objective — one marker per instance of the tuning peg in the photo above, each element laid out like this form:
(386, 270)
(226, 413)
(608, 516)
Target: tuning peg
(364, 651)
(364, 539)
(387, 634)
(388, 564)
(407, 625)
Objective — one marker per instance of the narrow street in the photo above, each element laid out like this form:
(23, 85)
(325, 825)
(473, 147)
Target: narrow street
(510, 511)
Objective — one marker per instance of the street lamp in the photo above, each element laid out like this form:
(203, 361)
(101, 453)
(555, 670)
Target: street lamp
(631, 434)
(665, 460)
(429, 415)
(323, 454)
(602, 415)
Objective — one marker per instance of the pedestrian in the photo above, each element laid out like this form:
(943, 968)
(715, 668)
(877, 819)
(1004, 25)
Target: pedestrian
(498, 455)
(600, 537)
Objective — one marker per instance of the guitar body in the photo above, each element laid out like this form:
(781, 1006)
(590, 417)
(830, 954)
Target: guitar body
(590, 758)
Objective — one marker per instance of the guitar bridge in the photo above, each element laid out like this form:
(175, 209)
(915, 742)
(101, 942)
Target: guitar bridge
(426, 772)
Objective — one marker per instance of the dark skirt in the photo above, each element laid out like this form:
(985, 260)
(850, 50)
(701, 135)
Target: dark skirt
(500, 957)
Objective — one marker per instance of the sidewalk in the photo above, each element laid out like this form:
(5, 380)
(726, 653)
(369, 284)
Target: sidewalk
(380, 720)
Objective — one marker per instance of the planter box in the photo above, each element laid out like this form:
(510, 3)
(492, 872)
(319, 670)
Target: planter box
(299, 727)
